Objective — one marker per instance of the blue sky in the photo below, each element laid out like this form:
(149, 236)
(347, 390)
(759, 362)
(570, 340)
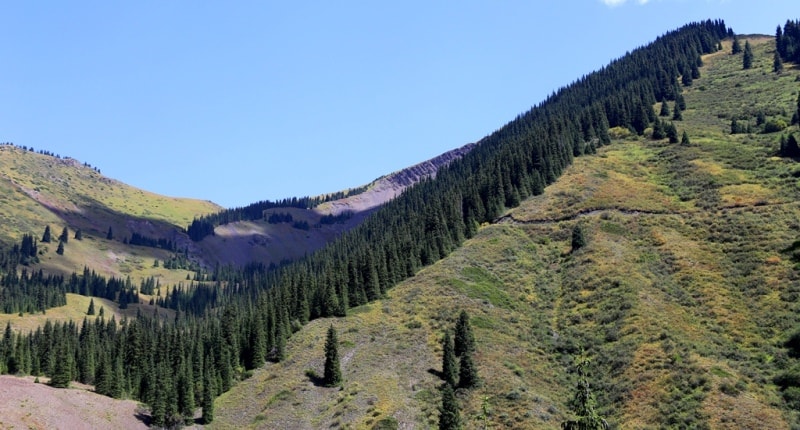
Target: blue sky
(236, 102)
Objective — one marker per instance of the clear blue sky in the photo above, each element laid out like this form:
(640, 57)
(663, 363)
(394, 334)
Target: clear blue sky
(237, 102)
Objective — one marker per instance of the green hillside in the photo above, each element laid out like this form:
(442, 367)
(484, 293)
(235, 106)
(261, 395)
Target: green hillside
(682, 296)
(39, 190)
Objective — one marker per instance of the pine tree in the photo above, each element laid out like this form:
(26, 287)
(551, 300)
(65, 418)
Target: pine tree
(736, 47)
(664, 109)
(90, 311)
(110, 234)
(449, 415)
(449, 368)
(332, 375)
(672, 132)
(60, 248)
(209, 392)
(64, 235)
(467, 372)
(578, 237)
(747, 58)
(677, 114)
(583, 405)
(62, 373)
(777, 63)
(465, 340)
(46, 236)
(78, 234)
(685, 139)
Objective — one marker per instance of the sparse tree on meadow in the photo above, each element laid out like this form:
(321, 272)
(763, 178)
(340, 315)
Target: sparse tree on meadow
(449, 368)
(777, 63)
(332, 375)
(90, 311)
(747, 58)
(664, 109)
(583, 404)
(78, 234)
(685, 139)
(110, 234)
(737, 46)
(64, 235)
(60, 248)
(465, 340)
(46, 236)
(449, 415)
(578, 237)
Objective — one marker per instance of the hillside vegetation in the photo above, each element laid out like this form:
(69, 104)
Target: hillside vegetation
(682, 296)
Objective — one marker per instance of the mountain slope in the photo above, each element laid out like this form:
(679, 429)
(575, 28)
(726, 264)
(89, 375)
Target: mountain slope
(682, 296)
(239, 243)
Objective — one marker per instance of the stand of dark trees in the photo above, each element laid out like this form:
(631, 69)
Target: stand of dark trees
(204, 226)
(221, 331)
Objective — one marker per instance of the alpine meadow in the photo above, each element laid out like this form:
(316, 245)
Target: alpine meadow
(625, 254)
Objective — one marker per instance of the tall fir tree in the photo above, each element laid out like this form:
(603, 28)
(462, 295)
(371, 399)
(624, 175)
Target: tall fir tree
(449, 367)
(736, 47)
(64, 237)
(332, 374)
(46, 235)
(467, 372)
(449, 414)
(777, 63)
(583, 404)
(465, 340)
(747, 58)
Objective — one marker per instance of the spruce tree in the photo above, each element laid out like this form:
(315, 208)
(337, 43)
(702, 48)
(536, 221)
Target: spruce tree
(332, 375)
(449, 415)
(78, 234)
(578, 237)
(209, 392)
(467, 372)
(90, 311)
(60, 248)
(46, 236)
(465, 340)
(583, 405)
(664, 109)
(110, 234)
(64, 235)
(747, 58)
(449, 368)
(685, 139)
(777, 63)
(736, 47)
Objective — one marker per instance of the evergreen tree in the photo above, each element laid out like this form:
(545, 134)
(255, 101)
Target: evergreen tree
(747, 58)
(332, 375)
(677, 114)
(685, 139)
(664, 109)
(64, 235)
(449, 368)
(60, 248)
(736, 47)
(583, 405)
(467, 372)
(110, 234)
(90, 311)
(465, 340)
(78, 234)
(777, 63)
(62, 373)
(449, 415)
(578, 238)
(209, 392)
(672, 132)
(46, 236)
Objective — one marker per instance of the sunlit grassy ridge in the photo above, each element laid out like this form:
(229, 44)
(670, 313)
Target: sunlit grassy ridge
(682, 295)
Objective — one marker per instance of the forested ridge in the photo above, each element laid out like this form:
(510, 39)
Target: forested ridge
(223, 331)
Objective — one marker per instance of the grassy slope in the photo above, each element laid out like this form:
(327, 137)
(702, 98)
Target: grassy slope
(681, 296)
